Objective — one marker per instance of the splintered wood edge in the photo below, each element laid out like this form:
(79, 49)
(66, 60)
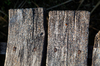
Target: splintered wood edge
(96, 51)
(97, 40)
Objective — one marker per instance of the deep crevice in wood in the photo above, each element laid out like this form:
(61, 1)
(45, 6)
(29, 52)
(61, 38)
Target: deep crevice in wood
(44, 53)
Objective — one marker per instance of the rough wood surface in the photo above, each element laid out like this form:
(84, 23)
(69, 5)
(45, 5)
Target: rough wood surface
(96, 51)
(25, 37)
(67, 38)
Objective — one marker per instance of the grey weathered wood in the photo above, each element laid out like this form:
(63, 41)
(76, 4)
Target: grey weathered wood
(96, 51)
(3, 46)
(67, 38)
(25, 37)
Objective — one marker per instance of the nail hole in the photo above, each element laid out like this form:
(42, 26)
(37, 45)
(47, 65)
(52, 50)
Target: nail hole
(79, 51)
(66, 24)
(41, 34)
(34, 49)
(14, 48)
(55, 49)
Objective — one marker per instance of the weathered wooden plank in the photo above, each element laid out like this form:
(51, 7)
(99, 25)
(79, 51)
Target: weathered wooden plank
(25, 37)
(3, 46)
(67, 38)
(96, 51)
(78, 39)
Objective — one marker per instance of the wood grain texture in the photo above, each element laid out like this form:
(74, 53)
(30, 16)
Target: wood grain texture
(96, 51)
(25, 37)
(67, 38)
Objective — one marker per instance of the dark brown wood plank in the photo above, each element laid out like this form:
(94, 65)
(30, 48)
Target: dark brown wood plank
(96, 51)
(67, 38)
(25, 37)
